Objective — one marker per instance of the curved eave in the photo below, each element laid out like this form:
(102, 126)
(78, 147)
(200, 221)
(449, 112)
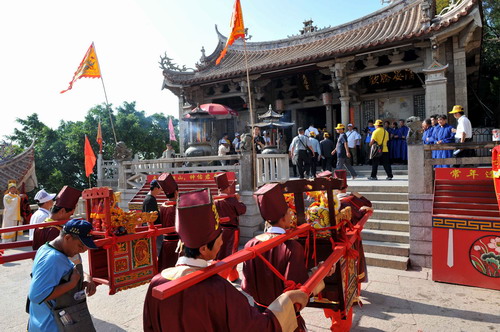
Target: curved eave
(19, 168)
(371, 32)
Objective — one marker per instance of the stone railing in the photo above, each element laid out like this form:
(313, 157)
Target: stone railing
(131, 174)
(272, 168)
(421, 191)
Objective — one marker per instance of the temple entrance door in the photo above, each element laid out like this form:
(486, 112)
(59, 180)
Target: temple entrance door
(314, 115)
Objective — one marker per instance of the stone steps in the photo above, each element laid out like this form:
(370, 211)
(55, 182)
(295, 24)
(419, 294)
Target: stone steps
(389, 261)
(383, 196)
(385, 236)
(387, 205)
(387, 248)
(388, 225)
(390, 215)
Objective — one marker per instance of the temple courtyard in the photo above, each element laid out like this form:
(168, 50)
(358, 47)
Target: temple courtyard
(393, 300)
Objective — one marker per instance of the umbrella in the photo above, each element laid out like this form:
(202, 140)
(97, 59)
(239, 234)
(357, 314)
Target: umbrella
(217, 109)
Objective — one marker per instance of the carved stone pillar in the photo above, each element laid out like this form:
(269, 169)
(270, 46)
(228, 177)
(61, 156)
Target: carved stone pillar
(435, 89)
(344, 110)
(357, 113)
(460, 74)
(327, 99)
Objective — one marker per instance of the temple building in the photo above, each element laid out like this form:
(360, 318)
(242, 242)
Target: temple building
(401, 61)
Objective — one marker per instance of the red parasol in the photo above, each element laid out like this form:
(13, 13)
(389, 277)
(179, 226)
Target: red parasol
(217, 109)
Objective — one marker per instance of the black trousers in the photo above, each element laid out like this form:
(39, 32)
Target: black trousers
(384, 160)
(314, 163)
(327, 163)
(465, 153)
(303, 163)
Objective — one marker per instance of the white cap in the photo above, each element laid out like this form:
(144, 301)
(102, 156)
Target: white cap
(349, 125)
(43, 197)
(237, 134)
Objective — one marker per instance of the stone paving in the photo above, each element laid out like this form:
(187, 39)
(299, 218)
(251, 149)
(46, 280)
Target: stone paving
(393, 301)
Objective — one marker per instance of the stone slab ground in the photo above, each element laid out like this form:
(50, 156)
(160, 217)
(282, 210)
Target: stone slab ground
(393, 300)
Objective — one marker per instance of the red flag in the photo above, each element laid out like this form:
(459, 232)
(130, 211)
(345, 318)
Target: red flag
(171, 130)
(99, 137)
(237, 29)
(89, 67)
(89, 157)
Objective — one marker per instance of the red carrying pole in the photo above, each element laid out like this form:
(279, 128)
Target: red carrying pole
(323, 269)
(175, 286)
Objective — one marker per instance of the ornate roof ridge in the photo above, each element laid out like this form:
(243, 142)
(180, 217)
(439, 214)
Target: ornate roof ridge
(401, 21)
(306, 38)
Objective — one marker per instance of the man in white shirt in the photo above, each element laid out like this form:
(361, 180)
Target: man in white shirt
(223, 150)
(310, 130)
(353, 138)
(45, 202)
(463, 133)
(300, 146)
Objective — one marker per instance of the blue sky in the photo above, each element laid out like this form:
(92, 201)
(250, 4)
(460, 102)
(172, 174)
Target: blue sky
(43, 43)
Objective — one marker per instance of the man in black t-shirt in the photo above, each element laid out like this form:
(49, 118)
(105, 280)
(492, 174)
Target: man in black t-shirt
(342, 151)
(258, 140)
(150, 204)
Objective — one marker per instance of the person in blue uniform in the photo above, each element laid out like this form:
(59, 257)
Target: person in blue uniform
(427, 132)
(403, 146)
(443, 134)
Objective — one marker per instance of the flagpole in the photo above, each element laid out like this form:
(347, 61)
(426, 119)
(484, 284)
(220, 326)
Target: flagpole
(254, 153)
(106, 97)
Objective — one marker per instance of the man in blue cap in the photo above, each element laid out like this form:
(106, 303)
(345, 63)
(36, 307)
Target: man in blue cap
(55, 275)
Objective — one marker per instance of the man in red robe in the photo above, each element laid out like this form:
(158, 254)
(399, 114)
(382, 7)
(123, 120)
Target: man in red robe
(212, 304)
(63, 209)
(168, 255)
(288, 258)
(228, 205)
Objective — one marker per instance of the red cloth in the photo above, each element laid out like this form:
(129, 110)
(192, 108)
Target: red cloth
(168, 257)
(90, 158)
(44, 235)
(211, 305)
(167, 215)
(232, 208)
(260, 282)
(356, 203)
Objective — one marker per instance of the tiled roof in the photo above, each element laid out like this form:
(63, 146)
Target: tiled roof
(400, 22)
(20, 168)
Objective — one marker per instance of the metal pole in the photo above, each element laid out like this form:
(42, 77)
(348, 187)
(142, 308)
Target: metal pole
(254, 153)
(106, 97)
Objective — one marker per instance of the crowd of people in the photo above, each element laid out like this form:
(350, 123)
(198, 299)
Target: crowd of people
(312, 149)
(436, 130)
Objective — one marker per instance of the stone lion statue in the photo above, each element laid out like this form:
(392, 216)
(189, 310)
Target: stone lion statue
(122, 152)
(246, 142)
(415, 134)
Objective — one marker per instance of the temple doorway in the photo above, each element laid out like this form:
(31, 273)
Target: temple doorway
(315, 116)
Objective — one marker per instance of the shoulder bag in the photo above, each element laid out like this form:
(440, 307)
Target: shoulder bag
(70, 310)
(376, 149)
(308, 151)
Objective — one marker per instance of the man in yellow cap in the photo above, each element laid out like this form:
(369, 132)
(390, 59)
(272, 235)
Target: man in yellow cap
(342, 150)
(463, 133)
(381, 136)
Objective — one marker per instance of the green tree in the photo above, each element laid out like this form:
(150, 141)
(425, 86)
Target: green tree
(59, 154)
(489, 79)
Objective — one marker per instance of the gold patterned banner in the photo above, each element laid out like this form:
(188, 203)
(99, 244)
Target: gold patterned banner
(467, 224)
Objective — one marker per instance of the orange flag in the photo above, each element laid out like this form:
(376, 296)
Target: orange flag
(89, 157)
(237, 29)
(89, 67)
(99, 137)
